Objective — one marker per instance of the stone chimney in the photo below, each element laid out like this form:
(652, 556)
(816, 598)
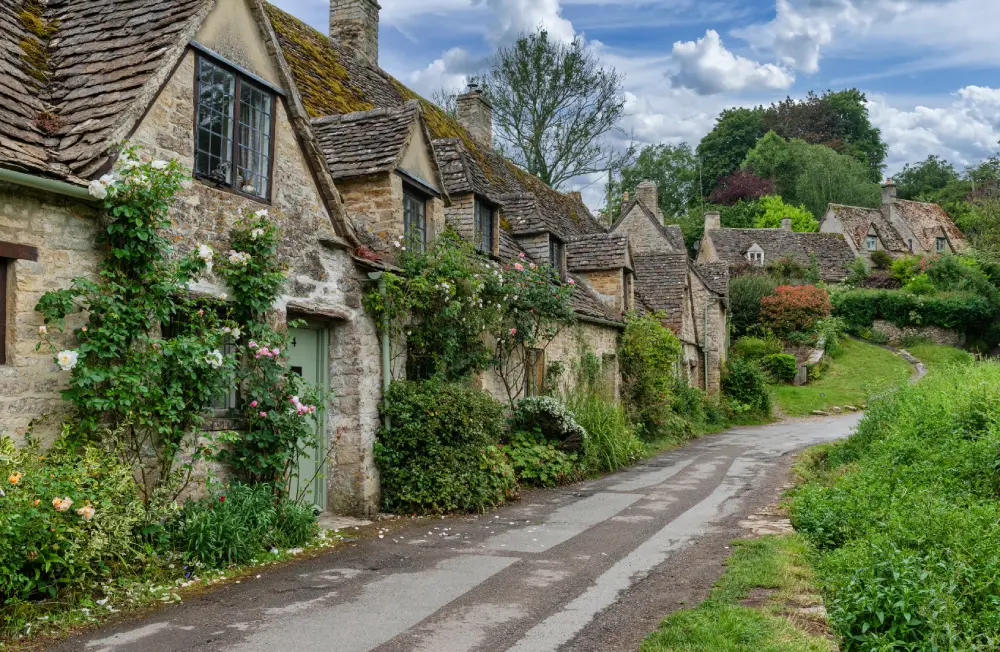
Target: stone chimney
(625, 197)
(355, 24)
(476, 115)
(786, 224)
(713, 221)
(648, 194)
(575, 195)
(888, 192)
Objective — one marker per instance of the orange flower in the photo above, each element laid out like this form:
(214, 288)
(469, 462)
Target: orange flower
(86, 512)
(15, 478)
(35, 504)
(62, 504)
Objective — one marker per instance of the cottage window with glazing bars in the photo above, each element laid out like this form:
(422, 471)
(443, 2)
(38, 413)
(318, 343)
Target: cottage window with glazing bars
(414, 220)
(483, 227)
(940, 245)
(234, 130)
(872, 243)
(557, 253)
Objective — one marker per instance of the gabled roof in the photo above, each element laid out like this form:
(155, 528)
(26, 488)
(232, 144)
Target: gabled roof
(524, 216)
(661, 279)
(76, 75)
(365, 142)
(832, 252)
(857, 223)
(597, 252)
(716, 276)
(672, 232)
(928, 222)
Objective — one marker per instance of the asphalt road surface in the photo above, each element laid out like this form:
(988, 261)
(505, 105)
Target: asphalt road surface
(590, 567)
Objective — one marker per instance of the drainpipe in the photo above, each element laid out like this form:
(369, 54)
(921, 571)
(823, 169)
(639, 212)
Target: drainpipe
(386, 343)
(46, 184)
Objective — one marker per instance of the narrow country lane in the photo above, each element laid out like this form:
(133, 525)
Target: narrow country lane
(590, 567)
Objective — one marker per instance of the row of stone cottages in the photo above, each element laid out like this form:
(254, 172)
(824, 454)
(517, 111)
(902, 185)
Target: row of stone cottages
(268, 112)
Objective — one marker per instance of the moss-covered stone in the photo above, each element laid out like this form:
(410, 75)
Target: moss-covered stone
(34, 44)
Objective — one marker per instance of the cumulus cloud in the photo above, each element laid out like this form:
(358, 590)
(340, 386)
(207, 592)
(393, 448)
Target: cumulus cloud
(448, 72)
(513, 17)
(963, 132)
(707, 67)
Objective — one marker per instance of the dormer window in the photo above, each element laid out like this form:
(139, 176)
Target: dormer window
(940, 245)
(414, 218)
(557, 256)
(234, 130)
(872, 243)
(484, 224)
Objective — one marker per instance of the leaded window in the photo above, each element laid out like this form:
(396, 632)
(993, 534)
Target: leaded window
(872, 243)
(483, 227)
(557, 253)
(234, 130)
(414, 220)
(940, 245)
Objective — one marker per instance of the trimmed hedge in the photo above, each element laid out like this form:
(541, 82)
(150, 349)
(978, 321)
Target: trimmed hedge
(958, 310)
(782, 367)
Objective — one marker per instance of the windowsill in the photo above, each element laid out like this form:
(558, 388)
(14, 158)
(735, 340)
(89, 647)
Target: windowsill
(215, 185)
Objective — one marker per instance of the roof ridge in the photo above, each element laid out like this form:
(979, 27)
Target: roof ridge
(356, 116)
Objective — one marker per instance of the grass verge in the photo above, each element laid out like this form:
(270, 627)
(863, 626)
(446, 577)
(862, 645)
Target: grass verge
(852, 376)
(937, 357)
(762, 603)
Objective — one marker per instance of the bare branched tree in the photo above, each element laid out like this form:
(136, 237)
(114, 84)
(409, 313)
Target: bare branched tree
(553, 104)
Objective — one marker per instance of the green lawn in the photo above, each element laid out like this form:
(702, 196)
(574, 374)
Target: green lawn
(773, 572)
(858, 370)
(935, 356)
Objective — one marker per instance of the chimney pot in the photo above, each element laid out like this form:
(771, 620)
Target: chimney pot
(786, 224)
(476, 115)
(888, 192)
(355, 24)
(713, 221)
(625, 197)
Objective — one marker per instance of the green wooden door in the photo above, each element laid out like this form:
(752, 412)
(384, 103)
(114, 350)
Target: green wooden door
(307, 357)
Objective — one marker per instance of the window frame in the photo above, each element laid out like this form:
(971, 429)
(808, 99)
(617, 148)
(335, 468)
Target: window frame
(557, 249)
(941, 245)
(871, 242)
(756, 257)
(413, 193)
(478, 206)
(241, 76)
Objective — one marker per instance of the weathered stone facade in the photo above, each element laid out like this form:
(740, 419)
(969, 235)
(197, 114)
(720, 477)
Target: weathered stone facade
(611, 288)
(935, 334)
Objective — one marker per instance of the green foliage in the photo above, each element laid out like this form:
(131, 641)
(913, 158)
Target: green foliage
(774, 209)
(551, 419)
(962, 311)
(858, 272)
(755, 348)
(442, 452)
(903, 513)
(674, 170)
(881, 260)
(781, 367)
(920, 285)
(237, 524)
(538, 463)
(723, 149)
(611, 441)
(745, 384)
(745, 296)
(649, 355)
(926, 178)
(795, 308)
(904, 269)
(51, 544)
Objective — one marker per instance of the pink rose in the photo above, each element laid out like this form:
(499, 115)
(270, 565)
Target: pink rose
(521, 254)
(263, 415)
(253, 404)
(572, 282)
(513, 331)
(275, 352)
(519, 267)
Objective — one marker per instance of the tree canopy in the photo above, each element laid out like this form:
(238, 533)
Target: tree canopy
(723, 149)
(673, 168)
(773, 209)
(925, 179)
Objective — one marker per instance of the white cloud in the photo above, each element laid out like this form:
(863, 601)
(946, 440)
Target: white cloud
(513, 17)
(963, 132)
(707, 67)
(449, 72)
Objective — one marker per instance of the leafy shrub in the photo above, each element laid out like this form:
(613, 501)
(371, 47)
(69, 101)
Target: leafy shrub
(50, 543)
(611, 441)
(550, 418)
(831, 331)
(540, 464)
(755, 348)
(878, 336)
(441, 453)
(746, 383)
(781, 367)
(234, 525)
(920, 285)
(904, 269)
(881, 260)
(746, 293)
(649, 354)
(795, 308)
(962, 311)
(858, 272)
(903, 515)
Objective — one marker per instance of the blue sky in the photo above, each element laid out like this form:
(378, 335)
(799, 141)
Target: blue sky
(929, 67)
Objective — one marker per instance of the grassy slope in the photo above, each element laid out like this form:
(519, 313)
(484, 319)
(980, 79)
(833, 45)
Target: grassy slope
(776, 564)
(938, 357)
(860, 368)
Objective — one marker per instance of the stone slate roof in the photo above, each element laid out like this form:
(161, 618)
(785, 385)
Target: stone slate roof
(858, 221)
(928, 222)
(523, 215)
(716, 275)
(365, 142)
(598, 251)
(75, 74)
(832, 252)
(661, 279)
(672, 232)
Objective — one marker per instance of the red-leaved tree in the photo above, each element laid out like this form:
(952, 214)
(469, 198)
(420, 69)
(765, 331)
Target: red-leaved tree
(795, 308)
(739, 186)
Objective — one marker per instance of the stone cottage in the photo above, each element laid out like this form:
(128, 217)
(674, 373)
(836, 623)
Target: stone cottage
(899, 228)
(202, 81)
(760, 247)
(693, 297)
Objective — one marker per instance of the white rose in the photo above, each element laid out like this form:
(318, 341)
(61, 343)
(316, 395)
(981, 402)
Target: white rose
(67, 360)
(261, 213)
(256, 233)
(97, 189)
(223, 296)
(214, 359)
(107, 179)
(236, 333)
(205, 252)
(159, 165)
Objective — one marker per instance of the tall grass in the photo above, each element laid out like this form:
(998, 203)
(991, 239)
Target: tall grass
(611, 441)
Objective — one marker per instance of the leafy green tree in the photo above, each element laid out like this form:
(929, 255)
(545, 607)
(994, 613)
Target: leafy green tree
(553, 103)
(673, 168)
(722, 151)
(775, 210)
(925, 179)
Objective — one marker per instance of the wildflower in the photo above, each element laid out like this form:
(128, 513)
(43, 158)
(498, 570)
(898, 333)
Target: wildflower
(84, 329)
(43, 330)
(15, 478)
(157, 165)
(97, 189)
(205, 253)
(86, 512)
(62, 504)
(239, 258)
(214, 359)
(67, 360)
